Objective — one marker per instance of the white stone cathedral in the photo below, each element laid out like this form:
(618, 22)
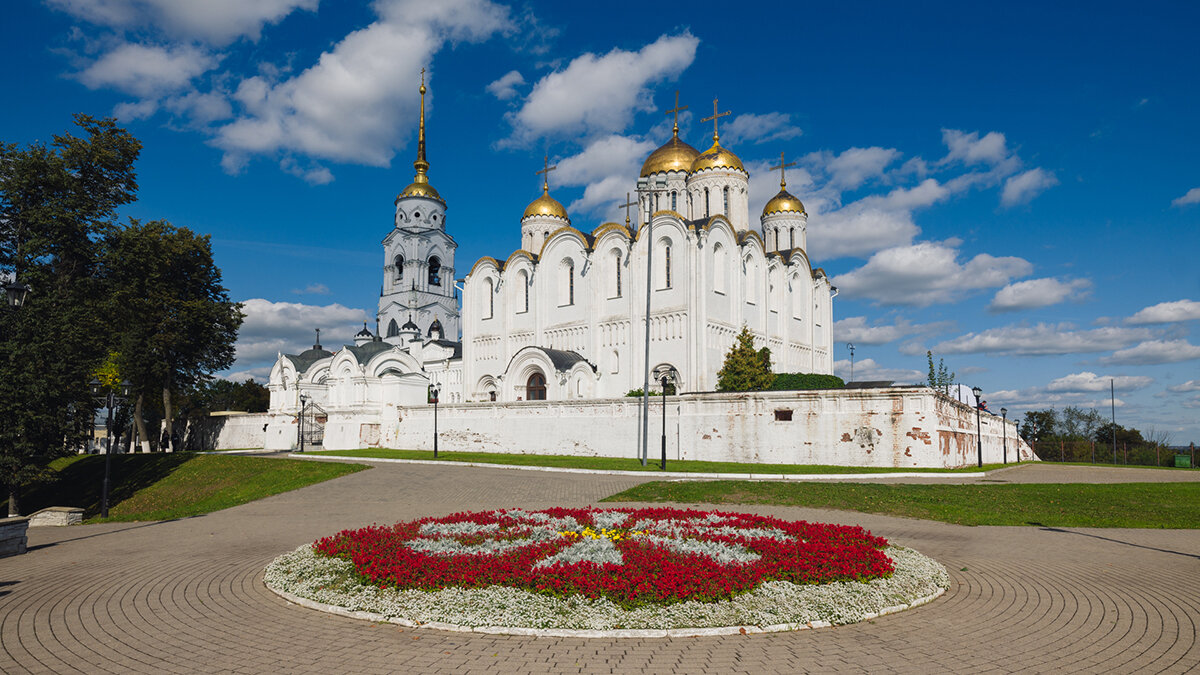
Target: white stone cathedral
(564, 316)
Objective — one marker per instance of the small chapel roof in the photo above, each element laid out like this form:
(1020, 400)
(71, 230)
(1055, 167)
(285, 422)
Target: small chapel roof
(304, 360)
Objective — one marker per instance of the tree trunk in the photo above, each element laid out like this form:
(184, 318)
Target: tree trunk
(13, 507)
(140, 425)
(169, 446)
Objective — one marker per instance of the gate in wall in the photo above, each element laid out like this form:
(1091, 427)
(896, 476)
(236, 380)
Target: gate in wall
(312, 426)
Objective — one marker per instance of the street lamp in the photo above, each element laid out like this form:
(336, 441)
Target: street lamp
(109, 399)
(648, 188)
(666, 375)
(434, 390)
(978, 433)
(300, 425)
(1004, 430)
(17, 293)
(850, 346)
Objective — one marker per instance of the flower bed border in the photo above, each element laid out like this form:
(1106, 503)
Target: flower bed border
(601, 633)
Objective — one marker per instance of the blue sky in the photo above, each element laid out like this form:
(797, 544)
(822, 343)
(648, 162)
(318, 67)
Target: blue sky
(1014, 187)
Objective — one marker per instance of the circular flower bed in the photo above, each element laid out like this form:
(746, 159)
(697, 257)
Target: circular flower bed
(604, 569)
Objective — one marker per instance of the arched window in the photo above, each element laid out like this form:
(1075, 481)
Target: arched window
(523, 280)
(490, 304)
(435, 271)
(792, 237)
(616, 263)
(399, 267)
(667, 266)
(570, 284)
(726, 193)
(535, 387)
(719, 265)
(393, 329)
(706, 202)
(751, 282)
(566, 284)
(673, 206)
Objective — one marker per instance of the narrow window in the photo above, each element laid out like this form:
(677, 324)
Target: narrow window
(667, 266)
(525, 277)
(435, 272)
(718, 271)
(491, 300)
(570, 284)
(617, 271)
(673, 206)
(399, 267)
(705, 202)
(726, 192)
(393, 329)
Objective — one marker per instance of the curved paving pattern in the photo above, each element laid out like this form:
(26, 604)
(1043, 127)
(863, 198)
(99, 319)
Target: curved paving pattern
(187, 596)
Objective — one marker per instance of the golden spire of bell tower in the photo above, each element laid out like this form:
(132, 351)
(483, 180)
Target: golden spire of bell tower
(421, 165)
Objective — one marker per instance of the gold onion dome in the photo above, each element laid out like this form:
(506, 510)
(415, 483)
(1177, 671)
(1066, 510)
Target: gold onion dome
(784, 202)
(420, 186)
(717, 157)
(674, 155)
(546, 206)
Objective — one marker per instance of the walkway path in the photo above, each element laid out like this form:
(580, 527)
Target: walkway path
(187, 596)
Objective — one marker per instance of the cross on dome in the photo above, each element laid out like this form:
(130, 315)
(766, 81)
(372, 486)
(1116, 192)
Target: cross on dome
(546, 169)
(715, 116)
(782, 167)
(676, 110)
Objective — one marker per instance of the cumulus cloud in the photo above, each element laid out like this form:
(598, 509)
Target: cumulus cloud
(853, 167)
(1022, 188)
(201, 108)
(970, 148)
(506, 87)
(1038, 293)
(312, 289)
(1167, 312)
(1190, 385)
(1153, 352)
(1191, 197)
(216, 21)
(866, 370)
(1043, 339)
(758, 129)
(272, 327)
(599, 94)
(855, 329)
(604, 167)
(349, 106)
(147, 71)
(1091, 382)
(926, 273)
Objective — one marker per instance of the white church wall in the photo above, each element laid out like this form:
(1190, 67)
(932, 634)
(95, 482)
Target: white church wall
(895, 427)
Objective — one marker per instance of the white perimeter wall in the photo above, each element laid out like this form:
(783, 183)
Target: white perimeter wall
(894, 427)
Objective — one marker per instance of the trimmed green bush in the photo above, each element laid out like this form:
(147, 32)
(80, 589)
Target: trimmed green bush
(793, 381)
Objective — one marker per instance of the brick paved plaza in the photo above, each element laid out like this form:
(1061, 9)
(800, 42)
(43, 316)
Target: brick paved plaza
(187, 596)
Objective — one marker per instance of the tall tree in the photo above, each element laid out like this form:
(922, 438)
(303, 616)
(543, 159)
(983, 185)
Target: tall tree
(939, 378)
(178, 324)
(56, 204)
(745, 368)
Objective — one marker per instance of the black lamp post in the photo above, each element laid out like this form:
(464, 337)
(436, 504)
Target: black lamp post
(978, 432)
(850, 346)
(109, 399)
(434, 390)
(1004, 430)
(666, 376)
(16, 293)
(300, 424)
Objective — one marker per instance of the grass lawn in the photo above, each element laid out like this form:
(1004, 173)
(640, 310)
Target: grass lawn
(163, 486)
(621, 463)
(1161, 505)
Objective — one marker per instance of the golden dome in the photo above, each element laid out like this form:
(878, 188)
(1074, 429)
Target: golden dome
(546, 206)
(420, 189)
(674, 155)
(782, 203)
(717, 157)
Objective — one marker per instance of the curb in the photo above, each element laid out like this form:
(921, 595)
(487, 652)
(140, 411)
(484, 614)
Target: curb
(647, 474)
(581, 633)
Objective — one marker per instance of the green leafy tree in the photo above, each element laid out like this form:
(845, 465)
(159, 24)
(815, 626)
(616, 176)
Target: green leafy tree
(939, 378)
(1039, 424)
(177, 323)
(57, 203)
(1104, 435)
(745, 368)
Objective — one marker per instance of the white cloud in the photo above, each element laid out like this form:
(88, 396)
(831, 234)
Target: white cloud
(506, 87)
(1167, 312)
(312, 289)
(970, 149)
(288, 327)
(1190, 385)
(353, 104)
(1038, 293)
(604, 166)
(1154, 351)
(854, 166)
(855, 329)
(857, 230)
(137, 110)
(1042, 339)
(1091, 382)
(926, 273)
(867, 370)
(215, 21)
(260, 375)
(147, 71)
(757, 129)
(1022, 188)
(1192, 197)
(201, 108)
(599, 94)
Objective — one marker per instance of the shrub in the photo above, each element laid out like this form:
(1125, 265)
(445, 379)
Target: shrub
(793, 381)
